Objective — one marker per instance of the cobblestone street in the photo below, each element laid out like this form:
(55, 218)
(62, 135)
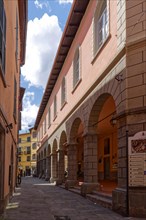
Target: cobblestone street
(39, 200)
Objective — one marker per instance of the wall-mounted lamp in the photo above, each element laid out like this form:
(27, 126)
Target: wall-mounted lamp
(8, 127)
(113, 121)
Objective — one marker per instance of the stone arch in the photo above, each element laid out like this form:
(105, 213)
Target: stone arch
(74, 129)
(49, 150)
(95, 110)
(62, 157)
(76, 150)
(63, 140)
(102, 112)
(55, 146)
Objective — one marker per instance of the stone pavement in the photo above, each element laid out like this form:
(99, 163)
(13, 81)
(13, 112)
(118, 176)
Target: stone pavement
(36, 199)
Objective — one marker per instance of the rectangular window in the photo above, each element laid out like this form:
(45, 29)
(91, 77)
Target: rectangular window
(34, 146)
(19, 159)
(34, 135)
(102, 28)
(49, 117)
(101, 25)
(19, 151)
(34, 157)
(63, 91)
(45, 126)
(28, 139)
(55, 106)
(28, 158)
(76, 68)
(2, 36)
(28, 150)
(38, 136)
(42, 131)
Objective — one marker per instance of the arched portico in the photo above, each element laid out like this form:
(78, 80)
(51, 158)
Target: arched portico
(103, 130)
(76, 151)
(62, 157)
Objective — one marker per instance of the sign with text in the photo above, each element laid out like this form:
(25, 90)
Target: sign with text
(137, 159)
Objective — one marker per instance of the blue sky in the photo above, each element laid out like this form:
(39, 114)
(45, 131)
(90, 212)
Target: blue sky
(46, 22)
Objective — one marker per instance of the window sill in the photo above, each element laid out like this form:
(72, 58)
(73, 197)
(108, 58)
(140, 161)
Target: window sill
(64, 103)
(100, 49)
(77, 84)
(55, 118)
(49, 126)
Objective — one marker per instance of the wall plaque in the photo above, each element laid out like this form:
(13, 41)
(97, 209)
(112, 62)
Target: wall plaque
(137, 159)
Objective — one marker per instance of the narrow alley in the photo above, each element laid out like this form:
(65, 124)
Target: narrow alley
(36, 199)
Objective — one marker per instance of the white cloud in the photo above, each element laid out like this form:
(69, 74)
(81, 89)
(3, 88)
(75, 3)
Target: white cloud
(43, 36)
(29, 112)
(65, 1)
(41, 4)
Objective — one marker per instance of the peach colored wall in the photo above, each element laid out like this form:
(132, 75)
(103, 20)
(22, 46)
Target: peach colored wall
(7, 93)
(90, 70)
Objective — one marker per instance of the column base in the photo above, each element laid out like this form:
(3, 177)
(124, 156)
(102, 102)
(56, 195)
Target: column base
(52, 179)
(47, 178)
(119, 201)
(70, 183)
(87, 188)
(137, 202)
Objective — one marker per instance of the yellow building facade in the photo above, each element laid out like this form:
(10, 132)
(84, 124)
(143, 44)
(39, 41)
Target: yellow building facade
(27, 153)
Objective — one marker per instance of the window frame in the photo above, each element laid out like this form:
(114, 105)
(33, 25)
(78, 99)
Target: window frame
(33, 156)
(49, 117)
(55, 106)
(28, 157)
(101, 14)
(28, 139)
(63, 92)
(34, 146)
(76, 68)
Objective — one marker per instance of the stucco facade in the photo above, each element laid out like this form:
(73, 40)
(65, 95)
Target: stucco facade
(27, 148)
(95, 99)
(13, 19)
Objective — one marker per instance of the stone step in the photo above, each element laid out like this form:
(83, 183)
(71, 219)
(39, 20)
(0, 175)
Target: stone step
(100, 199)
(75, 190)
(102, 194)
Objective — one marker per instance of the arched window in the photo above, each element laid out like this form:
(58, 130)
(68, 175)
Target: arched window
(76, 68)
(101, 24)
